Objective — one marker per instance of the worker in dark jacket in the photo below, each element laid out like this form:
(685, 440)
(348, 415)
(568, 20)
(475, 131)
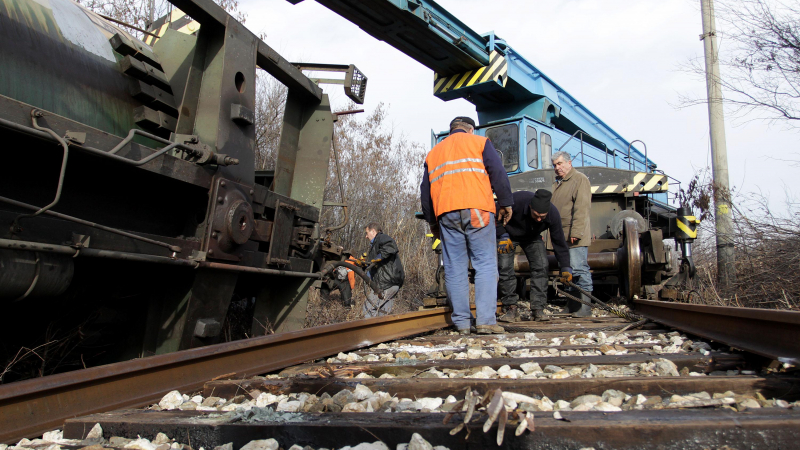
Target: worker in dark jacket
(532, 214)
(386, 270)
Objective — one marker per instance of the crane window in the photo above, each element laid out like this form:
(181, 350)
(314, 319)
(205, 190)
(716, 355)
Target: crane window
(547, 151)
(505, 139)
(531, 150)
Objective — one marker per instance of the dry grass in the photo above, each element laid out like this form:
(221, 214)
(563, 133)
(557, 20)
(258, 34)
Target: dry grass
(767, 257)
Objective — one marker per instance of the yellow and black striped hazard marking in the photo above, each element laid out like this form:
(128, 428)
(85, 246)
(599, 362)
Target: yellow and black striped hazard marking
(176, 20)
(642, 182)
(688, 225)
(498, 67)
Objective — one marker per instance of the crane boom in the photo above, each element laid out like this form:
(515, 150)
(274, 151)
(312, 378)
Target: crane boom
(482, 69)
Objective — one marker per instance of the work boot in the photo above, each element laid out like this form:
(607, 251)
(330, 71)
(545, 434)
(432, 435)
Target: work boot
(490, 329)
(510, 314)
(585, 310)
(464, 331)
(540, 316)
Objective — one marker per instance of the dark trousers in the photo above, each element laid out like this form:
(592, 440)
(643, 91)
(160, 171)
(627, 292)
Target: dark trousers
(537, 260)
(344, 290)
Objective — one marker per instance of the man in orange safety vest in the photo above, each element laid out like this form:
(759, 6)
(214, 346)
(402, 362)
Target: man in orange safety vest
(461, 172)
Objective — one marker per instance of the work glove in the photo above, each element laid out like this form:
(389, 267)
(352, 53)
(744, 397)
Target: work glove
(566, 276)
(376, 261)
(437, 234)
(505, 246)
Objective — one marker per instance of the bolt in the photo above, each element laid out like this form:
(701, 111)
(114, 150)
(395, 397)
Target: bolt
(220, 199)
(252, 192)
(214, 235)
(222, 183)
(210, 251)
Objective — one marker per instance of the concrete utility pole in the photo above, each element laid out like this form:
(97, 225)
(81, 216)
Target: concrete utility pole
(726, 272)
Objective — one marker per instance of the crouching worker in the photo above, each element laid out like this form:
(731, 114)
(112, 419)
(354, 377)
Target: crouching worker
(532, 214)
(342, 279)
(386, 270)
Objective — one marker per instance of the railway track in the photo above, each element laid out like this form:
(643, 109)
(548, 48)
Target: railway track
(695, 377)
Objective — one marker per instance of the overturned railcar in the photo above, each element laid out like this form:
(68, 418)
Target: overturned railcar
(130, 205)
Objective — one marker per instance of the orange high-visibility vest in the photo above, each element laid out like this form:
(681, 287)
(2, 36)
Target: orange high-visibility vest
(458, 177)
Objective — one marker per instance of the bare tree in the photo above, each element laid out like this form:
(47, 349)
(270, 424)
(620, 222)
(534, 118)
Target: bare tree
(380, 176)
(760, 60)
(270, 104)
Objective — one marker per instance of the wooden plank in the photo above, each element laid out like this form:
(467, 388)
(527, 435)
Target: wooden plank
(669, 429)
(695, 362)
(566, 389)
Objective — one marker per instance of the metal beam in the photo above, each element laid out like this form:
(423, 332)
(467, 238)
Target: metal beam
(32, 407)
(211, 15)
(766, 332)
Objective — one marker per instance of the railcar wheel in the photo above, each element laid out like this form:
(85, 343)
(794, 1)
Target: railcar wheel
(631, 259)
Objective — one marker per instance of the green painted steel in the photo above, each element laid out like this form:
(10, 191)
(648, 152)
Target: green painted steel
(56, 56)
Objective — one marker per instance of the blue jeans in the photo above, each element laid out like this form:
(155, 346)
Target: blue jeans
(462, 243)
(579, 260)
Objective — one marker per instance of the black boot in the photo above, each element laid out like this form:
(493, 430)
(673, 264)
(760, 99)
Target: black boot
(584, 310)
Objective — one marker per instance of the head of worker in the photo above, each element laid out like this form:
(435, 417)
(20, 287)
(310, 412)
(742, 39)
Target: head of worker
(562, 163)
(540, 204)
(372, 229)
(462, 123)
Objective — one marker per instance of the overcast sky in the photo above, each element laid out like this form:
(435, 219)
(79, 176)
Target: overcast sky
(620, 59)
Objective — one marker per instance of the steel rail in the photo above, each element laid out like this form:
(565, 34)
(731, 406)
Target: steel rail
(31, 407)
(766, 332)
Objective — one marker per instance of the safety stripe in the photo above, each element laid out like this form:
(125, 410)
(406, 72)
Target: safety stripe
(650, 181)
(498, 66)
(686, 229)
(450, 172)
(458, 161)
(480, 218)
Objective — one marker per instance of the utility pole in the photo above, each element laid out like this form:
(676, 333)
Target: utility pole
(726, 272)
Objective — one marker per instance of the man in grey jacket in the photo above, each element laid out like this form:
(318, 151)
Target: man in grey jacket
(572, 195)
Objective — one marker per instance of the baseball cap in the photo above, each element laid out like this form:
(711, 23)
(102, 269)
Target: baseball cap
(462, 119)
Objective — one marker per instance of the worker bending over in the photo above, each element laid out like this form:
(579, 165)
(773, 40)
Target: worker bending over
(532, 215)
(342, 279)
(456, 193)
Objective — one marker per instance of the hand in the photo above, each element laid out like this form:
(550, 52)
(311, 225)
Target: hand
(573, 240)
(376, 261)
(435, 231)
(504, 215)
(505, 246)
(566, 277)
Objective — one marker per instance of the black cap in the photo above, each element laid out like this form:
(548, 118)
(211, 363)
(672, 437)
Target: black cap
(462, 119)
(541, 201)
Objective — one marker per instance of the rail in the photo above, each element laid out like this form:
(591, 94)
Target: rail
(765, 332)
(34, 406)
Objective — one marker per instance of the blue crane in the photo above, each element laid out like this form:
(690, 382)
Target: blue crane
(528, 117)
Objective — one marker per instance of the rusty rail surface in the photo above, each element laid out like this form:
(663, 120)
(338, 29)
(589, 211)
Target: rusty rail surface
(31, 407)
(766, 332)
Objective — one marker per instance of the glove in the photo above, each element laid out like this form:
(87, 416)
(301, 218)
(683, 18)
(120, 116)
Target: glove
(505, 246)
(435, 231)
(376, 261)
(566, 277)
